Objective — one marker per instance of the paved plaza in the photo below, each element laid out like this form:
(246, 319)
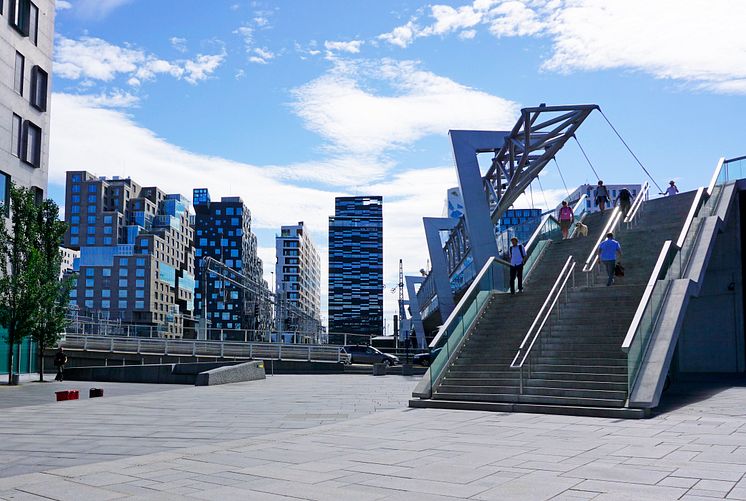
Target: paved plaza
(351, 437)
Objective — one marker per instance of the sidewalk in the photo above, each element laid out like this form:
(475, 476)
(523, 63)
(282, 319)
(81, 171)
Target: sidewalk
(696, 451)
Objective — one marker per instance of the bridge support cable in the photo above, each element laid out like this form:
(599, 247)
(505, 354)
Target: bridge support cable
(561, 177)
(629, 149)
(598, 178)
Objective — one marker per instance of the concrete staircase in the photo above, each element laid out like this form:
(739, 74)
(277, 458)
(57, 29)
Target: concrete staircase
(577, 366)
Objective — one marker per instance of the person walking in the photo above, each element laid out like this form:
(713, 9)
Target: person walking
(601, 196)
(517, 254)
(60, 359)
(624, 200)
(566, 218)
(671, 190)
(608, 252)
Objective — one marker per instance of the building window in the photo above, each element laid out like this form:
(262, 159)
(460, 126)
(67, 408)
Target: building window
(19, 15)
(107, 219)
(122, 305)
(91, 219)
(105, 292)
(33, 23)
(74, 240)
(89, 303)
(5, 194)
(106, 272)
(74, 230)
(15, 138)
(122, 272)
(139, 283)
(32, 144)
(140, 305)
(122, 293)
(18, 75)
(90, 241)
(105, 304)
(75, 219)
(107, 240)
(122, 282)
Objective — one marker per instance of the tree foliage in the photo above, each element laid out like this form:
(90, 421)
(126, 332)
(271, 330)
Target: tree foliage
(18, 285)
(50, 316)
(33, 301)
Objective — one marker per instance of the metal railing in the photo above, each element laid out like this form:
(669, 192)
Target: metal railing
(534, 332)
(191, 348)
(635, 209)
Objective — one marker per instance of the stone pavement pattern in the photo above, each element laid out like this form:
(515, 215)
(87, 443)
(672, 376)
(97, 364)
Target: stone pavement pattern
(695, 451)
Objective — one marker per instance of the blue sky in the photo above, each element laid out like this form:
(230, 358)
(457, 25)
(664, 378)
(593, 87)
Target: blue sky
(291, 103)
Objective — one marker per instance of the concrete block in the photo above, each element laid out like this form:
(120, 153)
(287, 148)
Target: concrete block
(249, 371)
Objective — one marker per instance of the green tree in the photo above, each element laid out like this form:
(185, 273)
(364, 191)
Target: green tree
(44, 265)
(18, 285)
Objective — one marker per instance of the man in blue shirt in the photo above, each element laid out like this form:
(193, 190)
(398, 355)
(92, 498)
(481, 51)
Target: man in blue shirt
(608, 251)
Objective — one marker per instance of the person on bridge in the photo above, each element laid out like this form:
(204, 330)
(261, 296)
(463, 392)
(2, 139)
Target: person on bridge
(517, 255)
(671, 190)
(624, 199)
(60, 359)
(601, 196)
(566, 218)
(608, 252)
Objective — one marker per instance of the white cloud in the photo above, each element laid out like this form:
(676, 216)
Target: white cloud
(702, 42)
(178, 43)
(261, 21)
(261, 55)
(401, 36)
(698, 42)
(63, 5)
(467, 34)
(202, 67)
(419, 103)
(353, 46)
(95, 59)
(114, 99)
(98, 9)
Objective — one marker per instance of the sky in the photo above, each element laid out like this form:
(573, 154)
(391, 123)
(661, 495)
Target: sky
(291, 103)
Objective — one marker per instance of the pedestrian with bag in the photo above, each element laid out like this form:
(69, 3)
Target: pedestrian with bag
(608, 252)
(60, 359)
(601, 196)
(517, 255)
(566, 218)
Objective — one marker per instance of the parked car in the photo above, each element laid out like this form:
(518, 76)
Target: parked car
(368, 355)
(425, 359)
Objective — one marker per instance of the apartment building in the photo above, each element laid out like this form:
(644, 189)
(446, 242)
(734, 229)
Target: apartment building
(297, 282)
(223, 233)
(356, 266)
(136, 252)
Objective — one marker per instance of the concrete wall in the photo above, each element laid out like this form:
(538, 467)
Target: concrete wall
(712, 337)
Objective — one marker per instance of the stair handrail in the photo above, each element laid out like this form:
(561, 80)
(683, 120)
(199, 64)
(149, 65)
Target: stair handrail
(465, 298)
(637, 204)
(715, 176)
(542, 317)
(592, 259)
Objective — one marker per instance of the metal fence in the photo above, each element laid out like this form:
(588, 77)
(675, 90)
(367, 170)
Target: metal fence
(183, 347)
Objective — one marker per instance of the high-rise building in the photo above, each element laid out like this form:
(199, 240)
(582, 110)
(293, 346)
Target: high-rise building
(26, 46)
(26, 39)
(136, 252)
(297, 283)
(356, 266)
(223, 233)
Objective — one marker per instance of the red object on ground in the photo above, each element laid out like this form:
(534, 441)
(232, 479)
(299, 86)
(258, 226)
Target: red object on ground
(62, 395)
(95, 392)
(73, 395)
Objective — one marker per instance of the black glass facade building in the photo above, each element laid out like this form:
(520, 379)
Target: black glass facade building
(222, 231)
(356, 266)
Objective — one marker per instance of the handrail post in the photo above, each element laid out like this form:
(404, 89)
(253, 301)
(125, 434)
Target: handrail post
(521, 381)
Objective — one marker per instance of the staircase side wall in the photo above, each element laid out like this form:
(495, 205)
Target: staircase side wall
(712, 336)
(699, 330)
